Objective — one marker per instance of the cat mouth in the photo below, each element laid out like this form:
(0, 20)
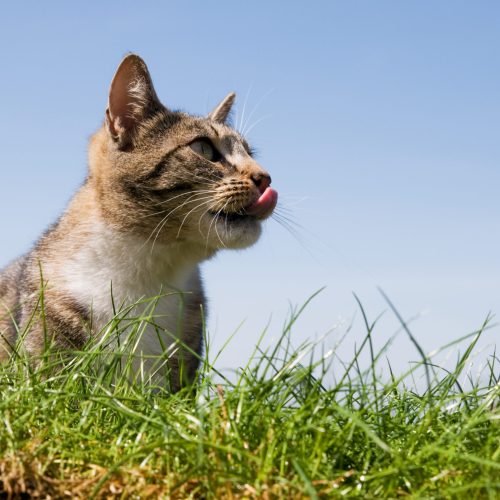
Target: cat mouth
(264, 205)
(261, 208)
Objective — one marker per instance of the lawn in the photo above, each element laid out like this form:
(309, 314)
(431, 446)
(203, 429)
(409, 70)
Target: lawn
(282, 427)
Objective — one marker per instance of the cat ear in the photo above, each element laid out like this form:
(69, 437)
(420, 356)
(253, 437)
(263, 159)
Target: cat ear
(132, 98)
(221, 112)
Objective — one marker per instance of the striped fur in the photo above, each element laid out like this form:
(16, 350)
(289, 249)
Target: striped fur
(151, 209)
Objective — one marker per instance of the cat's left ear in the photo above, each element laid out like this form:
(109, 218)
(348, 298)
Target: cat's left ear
(132, 99)
(221, 112)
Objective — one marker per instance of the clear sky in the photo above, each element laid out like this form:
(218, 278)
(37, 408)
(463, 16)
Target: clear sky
(379, 122)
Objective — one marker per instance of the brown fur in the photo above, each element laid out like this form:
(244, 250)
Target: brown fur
(151, 208)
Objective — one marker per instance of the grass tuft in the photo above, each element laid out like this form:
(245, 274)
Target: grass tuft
(283, 427)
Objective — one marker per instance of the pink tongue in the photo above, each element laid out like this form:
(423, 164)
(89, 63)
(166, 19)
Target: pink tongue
(263, 207)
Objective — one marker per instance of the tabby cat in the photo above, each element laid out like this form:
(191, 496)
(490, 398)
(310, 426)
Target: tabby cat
(165, 190)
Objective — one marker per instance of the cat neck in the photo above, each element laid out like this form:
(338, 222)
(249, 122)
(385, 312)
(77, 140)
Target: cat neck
(87, 257)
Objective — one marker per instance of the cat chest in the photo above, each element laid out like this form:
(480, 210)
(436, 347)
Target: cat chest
(152, 313)
(126, 302)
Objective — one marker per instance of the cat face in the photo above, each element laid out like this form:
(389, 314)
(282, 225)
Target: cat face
(170, 176)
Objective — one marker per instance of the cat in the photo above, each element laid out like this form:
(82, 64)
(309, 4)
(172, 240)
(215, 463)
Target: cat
(165, 191)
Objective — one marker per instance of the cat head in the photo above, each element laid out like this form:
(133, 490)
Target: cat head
(169, 176)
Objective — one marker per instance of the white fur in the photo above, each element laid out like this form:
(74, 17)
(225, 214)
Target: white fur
(134, 271)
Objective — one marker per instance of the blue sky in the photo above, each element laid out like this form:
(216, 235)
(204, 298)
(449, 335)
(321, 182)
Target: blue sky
(379, 122)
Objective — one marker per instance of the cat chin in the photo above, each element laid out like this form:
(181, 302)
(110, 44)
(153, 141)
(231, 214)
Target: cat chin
(236, 234)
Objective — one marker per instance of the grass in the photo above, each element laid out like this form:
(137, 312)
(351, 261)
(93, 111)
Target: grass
(283, 428)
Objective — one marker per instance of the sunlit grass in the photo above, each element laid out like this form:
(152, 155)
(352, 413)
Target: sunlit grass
(282, 427)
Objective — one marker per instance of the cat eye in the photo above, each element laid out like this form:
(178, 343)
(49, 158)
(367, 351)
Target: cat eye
(206, 149)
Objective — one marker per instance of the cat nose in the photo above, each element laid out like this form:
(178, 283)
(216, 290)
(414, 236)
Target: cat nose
(261, 180)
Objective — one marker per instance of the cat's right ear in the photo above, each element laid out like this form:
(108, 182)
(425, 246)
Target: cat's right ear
(132, 98)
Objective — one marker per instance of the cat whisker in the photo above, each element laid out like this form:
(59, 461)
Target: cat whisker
(284, 221)
(240, 125)
(204, 180)
(168, 200)
(201, 217)
(165, 219)
(284, 211)
(255, 108)
(186, 193)
(199, 222)
(251, 127)
(216, 217)
(287, 218)
(157, 229)
(192, 194)
(192, 199)
(191, 211)
(287, 224)
(225, 223)
(294, 199)
(288, 227)
(217, 231)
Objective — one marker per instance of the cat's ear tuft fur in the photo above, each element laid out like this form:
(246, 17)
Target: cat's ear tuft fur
(221, 112)
(132, 98)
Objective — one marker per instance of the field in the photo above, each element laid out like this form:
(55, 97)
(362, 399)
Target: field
(283, 427)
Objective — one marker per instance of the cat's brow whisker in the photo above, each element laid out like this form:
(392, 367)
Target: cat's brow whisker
(255, 123)
(240, 125)
(255, 108)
